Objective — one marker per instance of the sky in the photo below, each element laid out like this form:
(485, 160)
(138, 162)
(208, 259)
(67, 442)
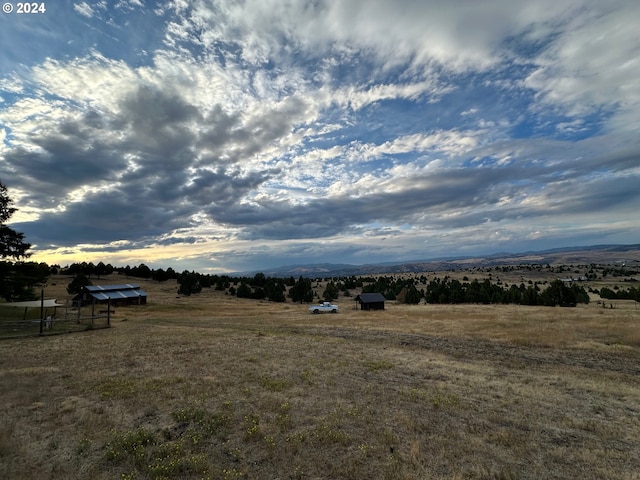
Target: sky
(223, 136)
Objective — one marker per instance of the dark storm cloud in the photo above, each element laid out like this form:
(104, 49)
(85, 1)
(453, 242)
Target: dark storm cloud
(452, 198)
(324, 217)
(68, 155)
(145, 165)
(105, 217)
(159, 121)
(219, 127)
(144, 209)
(236, 137)
(597, 195)
(218, 188)
(152, 129)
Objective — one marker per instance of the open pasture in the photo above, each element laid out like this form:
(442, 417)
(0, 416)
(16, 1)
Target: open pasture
(211, 386)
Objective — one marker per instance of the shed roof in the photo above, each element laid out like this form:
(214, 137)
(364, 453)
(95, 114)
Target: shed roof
(106, 288)
(106, 292)
(370, 298)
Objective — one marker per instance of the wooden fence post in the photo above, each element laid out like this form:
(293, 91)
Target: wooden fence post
(41, 309)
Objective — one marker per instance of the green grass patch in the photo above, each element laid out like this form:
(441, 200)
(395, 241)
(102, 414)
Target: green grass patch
(274, 384)
(444, 399)
(117, 388)
(202, 420)
(378, 365)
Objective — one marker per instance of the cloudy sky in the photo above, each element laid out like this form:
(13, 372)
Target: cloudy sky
(222, 135)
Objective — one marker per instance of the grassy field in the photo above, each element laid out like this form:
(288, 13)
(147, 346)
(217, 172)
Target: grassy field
(214, 387)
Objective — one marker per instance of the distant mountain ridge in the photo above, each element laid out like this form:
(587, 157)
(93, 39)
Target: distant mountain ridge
(607, 254)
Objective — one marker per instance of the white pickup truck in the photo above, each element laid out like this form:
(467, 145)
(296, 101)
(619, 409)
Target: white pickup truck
(324, 307)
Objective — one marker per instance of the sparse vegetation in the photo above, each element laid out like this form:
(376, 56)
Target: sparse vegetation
(216, 386)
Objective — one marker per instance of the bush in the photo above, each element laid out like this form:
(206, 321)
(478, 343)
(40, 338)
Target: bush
(558, 293)
(77, 284)
(189, 283)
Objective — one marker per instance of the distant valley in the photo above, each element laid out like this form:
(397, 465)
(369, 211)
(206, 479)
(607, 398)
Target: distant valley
(599, 254)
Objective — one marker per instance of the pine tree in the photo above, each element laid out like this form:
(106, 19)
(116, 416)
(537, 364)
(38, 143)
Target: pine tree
(12, 244)
(301, 291)
(331, 292)
(16, 278)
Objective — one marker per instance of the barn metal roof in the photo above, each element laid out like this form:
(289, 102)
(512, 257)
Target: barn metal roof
(106, 292)
(370, 297)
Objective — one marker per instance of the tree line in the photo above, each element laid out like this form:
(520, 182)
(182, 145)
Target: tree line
(447, 290)
(403, 290)
(258, 286)
(632, 293)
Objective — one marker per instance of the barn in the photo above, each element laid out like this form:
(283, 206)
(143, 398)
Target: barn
(371, 301)
(127, 294)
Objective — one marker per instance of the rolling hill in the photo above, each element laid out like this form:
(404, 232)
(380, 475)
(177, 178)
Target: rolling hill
(599, 254)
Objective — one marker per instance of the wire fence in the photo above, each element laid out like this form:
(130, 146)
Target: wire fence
(30, 322)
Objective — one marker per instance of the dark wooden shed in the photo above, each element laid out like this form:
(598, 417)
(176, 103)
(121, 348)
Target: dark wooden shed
(371, 301)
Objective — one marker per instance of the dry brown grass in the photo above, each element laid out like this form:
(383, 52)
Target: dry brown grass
(216, 387)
